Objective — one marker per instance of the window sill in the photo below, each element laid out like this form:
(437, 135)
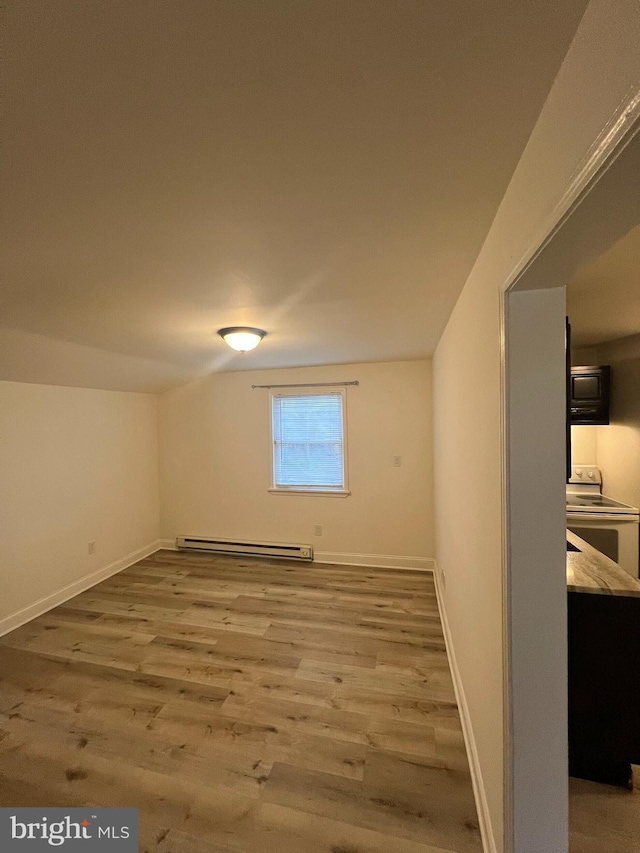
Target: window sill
(333, 493)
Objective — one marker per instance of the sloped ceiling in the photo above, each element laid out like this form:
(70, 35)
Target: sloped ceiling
(326, 171)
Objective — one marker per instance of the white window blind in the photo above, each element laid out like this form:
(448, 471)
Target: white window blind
(308, 441)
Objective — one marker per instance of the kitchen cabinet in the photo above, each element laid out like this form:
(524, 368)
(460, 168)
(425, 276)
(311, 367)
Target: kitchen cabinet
(604, 676)
(589, 395)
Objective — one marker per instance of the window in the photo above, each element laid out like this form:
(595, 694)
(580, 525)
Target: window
(308, 432)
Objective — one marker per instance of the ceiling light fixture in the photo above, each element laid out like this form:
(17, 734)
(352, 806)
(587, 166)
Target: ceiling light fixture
(242, 338)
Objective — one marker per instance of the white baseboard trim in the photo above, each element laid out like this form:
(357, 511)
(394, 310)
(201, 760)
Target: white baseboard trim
(168, 544)
(482, 806)
(26, 614)
(376, 561)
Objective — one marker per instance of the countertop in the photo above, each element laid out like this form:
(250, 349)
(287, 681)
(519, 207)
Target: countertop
(590, 571)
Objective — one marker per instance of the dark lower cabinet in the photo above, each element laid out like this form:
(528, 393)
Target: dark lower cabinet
(604, 686)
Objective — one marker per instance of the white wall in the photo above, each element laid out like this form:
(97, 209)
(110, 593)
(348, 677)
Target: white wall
(583, 355)
(618, 444)
(467, 461)
(598, 76)
(76, 465)
(584, 445)
(215, 464)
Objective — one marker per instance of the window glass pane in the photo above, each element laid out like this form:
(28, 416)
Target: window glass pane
(308, 441)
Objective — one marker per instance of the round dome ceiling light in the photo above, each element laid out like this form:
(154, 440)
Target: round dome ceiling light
(242, 338)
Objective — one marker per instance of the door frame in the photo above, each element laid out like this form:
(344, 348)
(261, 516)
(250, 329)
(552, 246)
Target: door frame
(599, 207)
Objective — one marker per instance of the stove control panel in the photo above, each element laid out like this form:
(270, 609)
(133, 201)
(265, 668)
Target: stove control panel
(587, 474)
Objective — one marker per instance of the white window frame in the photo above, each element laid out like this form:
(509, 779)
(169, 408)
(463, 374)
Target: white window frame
(321, 491)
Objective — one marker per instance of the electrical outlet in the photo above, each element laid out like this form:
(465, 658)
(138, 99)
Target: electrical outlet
(317, 530)
(92, 547)
(397, 461)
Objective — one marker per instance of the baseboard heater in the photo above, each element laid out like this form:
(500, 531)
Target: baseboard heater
(252, 549)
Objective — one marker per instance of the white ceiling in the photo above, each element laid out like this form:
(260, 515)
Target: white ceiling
(326, 171)
(603, 300)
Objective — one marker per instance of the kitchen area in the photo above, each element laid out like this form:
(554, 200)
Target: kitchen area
(603, 486)
(603, 550)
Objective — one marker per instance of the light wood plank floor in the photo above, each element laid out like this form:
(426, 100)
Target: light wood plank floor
(604, 819)
(243, 705)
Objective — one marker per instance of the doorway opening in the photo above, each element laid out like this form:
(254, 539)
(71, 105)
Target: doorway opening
(606, 208)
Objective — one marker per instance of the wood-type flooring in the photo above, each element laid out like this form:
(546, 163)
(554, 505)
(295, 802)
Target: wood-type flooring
(243, 706)
(604, 819)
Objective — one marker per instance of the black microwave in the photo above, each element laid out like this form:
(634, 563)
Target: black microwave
(590, 391)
